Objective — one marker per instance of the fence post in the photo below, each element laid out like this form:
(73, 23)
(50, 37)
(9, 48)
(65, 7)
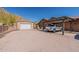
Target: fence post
(2, 29)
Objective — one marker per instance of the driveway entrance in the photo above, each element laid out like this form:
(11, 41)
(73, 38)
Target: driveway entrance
(37, 41)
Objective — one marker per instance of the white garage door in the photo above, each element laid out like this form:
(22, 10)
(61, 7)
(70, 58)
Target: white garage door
(25, 26)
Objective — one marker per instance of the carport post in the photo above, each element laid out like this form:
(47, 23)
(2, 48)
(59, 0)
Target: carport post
(62, 27)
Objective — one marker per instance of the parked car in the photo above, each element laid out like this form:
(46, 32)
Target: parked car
(52, 28)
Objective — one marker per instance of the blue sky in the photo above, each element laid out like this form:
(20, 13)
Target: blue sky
(37, 13)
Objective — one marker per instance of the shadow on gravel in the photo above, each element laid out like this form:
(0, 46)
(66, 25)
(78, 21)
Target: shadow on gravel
(51, 31)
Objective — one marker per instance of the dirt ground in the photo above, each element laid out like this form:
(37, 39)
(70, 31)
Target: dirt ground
(38, 41)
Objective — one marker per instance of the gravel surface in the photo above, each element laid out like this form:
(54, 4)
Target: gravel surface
(38, 41)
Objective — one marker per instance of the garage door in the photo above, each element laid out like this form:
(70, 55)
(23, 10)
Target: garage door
(25, 26)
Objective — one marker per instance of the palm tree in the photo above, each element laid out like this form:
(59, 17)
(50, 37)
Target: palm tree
(63, 19)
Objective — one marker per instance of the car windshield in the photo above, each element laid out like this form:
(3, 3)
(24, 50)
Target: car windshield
(51, 25)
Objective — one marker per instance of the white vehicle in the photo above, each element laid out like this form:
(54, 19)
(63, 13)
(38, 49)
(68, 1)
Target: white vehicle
(50, 28)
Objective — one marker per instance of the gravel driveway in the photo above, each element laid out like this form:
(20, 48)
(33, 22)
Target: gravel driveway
(38, 41)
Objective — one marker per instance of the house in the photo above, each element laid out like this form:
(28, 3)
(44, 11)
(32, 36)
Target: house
(72, 25)
(23, 24)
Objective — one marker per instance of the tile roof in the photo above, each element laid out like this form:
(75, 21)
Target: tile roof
(23, 20)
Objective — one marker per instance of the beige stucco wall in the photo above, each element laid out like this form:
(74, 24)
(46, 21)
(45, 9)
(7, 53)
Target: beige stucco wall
(67, 25)
(74, 26)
